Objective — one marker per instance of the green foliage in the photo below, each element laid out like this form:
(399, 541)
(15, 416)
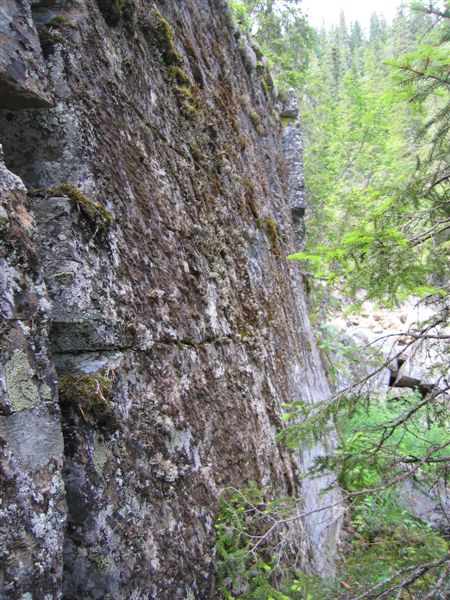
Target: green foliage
(377, 147)
(398, 542)
(366, 463)
(376, 122)
(249, 571)
(241, 573)
(283, 34)
(241, 14)
(386, 537)
(341, 359)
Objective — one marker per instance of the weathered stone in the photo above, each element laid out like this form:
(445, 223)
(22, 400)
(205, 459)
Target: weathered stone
(22, 391)
(429, 503)
(23, 82)
(183, 309)
(290, 107)
(293, 156)
(32, 508)
(247, 53)
(413, 372)
(8, 181)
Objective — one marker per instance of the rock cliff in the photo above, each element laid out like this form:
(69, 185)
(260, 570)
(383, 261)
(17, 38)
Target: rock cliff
(151, 326)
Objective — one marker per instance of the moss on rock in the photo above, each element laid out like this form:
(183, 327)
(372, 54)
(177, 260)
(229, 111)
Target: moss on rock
(97, 215)
(253, 115)
(49, 39)
(163, 38)
(179, 75)
(50, 34)
(89, 396)
(60, 22)
(271, 228)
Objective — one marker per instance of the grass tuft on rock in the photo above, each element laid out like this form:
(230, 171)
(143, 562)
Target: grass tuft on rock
(89, 396)
(97, 215)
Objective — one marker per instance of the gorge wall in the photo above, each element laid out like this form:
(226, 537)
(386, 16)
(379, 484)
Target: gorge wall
(151, 327)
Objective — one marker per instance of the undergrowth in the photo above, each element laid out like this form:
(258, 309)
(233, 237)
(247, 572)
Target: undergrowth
(250, 571)
(383, 537)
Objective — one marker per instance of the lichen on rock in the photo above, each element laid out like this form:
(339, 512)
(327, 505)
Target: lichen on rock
(22, 390)
(173, 331)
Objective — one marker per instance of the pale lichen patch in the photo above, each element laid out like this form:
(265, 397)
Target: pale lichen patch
(22, 391)
(100, 456)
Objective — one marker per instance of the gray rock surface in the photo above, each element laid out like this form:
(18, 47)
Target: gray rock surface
(293, 156)
(290, 107)
(429, 503)
(32, 499)
(151, 326)
(23, 82)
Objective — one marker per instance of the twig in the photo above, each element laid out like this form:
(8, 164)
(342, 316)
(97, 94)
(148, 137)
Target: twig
(439, 583)
(417, 572)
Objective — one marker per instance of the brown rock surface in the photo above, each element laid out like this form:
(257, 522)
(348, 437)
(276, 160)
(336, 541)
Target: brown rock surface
(176, 327)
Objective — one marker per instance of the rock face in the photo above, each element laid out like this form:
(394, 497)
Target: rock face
(151, 327)
(23, 83)
(293, 155)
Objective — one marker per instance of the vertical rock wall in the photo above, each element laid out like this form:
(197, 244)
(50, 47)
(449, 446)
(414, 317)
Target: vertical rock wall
(151, 325)
(32, 508)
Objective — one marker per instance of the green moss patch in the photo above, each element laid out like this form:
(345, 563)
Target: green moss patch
(163, 39)
(179, 75)
(49, 39)
(52, 33)
(185, 91)
(271, 228)
(89, 397)
(252, 113)
(60, 22)
(96, 214)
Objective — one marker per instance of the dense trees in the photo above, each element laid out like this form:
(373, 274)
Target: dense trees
(283, 34)
(377, 157)
(378, 174)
